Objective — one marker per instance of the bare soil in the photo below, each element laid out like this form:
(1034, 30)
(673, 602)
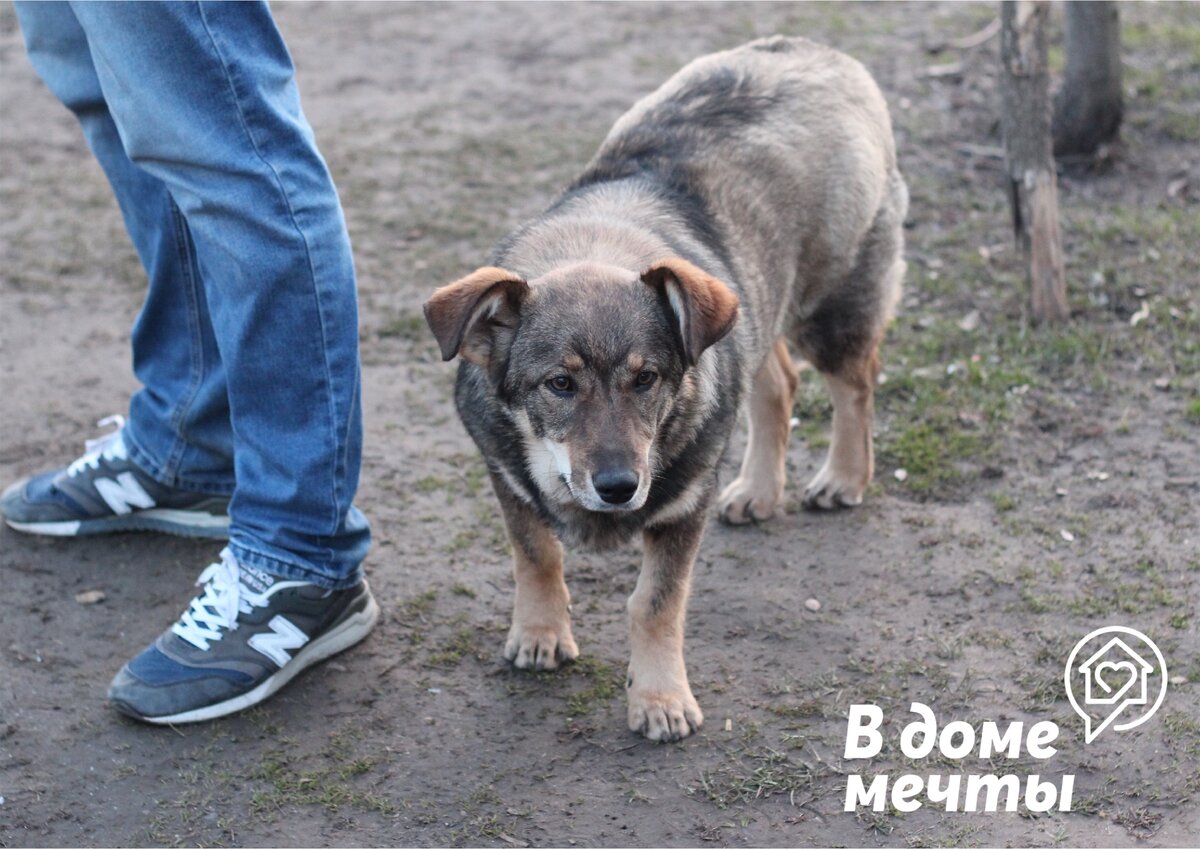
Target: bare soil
(445, 125)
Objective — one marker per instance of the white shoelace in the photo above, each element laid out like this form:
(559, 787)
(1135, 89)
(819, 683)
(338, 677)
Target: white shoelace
(216, 611)
(108, 447)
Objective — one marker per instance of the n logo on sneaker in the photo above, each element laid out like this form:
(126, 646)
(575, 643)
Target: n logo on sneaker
(123, 494)
(284, 635)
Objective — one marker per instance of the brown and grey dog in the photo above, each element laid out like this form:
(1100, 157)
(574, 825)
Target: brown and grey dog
(751, 201)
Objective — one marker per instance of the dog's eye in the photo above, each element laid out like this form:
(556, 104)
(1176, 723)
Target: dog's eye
(646, 378)
(561, 384)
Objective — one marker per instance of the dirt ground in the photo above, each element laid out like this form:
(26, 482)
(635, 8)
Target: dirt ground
(445, 125)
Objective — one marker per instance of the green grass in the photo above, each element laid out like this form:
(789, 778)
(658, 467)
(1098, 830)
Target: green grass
(1172, 30)
(461, 541)
(406, 325)
(287, 778)
(1003, 502)
(416, 607)
(928, 451)
(604, 682)
(757, 773)
(957, 402)
(459, 645)
(1181, 125)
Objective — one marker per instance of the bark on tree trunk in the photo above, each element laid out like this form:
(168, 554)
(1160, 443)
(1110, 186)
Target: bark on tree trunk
(1029, 156)
(1088, 110)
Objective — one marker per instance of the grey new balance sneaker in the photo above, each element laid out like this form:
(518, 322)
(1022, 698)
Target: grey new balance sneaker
(104, 492)
(238, 642)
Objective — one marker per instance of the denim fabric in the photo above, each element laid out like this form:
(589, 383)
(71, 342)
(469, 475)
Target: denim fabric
(247, 345)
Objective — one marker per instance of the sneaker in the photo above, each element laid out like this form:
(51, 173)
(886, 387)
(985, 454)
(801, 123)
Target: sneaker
(238, 642)
(103, 492)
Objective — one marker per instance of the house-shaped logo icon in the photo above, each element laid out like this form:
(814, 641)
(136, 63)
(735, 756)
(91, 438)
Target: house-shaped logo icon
(1121, 677)
(1115, 678)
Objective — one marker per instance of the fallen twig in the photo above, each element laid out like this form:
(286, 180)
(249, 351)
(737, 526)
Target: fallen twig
(977, 38)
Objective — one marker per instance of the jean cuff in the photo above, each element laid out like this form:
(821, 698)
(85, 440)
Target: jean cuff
(292, 570)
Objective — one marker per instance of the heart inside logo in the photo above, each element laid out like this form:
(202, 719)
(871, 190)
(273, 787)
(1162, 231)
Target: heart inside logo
(1114, 678)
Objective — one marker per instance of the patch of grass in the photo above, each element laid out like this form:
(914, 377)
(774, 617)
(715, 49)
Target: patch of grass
(417, 607)
(1180, 728)
(604, 683)
(1139, 822)
(463, 590)
(1102, 592)
(328, 785)
(956, 402)
(1094, 803)
(1174, 34)
(1192, 413)
(1003, 502)
(489, 826)
(485, 795)
(1039, 691)
(452, 651)
(428, 484)
(878, 822)
(407, 325)
(928, 450)
(474, 476)
(814, 410)
(461, 540)
(755, 774)
(1181, 126)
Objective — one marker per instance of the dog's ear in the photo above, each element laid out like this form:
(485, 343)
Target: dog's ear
(704, 308)
(476, 317)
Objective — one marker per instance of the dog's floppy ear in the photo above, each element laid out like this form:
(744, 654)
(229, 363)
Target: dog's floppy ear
(477, 316)
(704, 307)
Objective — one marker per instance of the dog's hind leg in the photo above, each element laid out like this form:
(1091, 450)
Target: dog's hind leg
(540, 637)
(851, 461)
(756, 491)
(841, 337)
(661, 705)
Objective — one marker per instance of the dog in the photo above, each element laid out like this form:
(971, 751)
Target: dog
(751, 201)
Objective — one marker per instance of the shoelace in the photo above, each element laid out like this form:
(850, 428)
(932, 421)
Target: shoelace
(108, 447)
(216, 610)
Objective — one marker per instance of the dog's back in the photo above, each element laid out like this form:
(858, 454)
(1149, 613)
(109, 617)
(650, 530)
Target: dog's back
(784, 147)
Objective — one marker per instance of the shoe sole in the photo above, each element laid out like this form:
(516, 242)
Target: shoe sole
(350, 632)
(180, 523)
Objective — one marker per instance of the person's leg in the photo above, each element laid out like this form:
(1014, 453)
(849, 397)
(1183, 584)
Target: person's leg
(204, 101)
(178, 429)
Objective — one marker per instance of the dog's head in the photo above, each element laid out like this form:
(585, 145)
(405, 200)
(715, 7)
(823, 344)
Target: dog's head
(588, 359)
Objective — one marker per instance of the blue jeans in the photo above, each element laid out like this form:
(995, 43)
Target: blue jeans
(247, 345)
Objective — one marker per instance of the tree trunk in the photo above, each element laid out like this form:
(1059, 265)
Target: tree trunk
(1028, 153)
(1088, 110)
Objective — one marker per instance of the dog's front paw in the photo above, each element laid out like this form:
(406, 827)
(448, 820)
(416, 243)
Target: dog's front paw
(540, 646)
(748, 500)
(832, 488)
(664, 716)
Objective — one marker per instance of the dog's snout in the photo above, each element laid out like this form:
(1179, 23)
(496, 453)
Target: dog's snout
(616, 486)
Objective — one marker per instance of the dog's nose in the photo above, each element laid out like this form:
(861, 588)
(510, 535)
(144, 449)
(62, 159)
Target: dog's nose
(615, 486)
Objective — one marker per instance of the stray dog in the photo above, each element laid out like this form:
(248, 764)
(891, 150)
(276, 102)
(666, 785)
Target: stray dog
(751, 201)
